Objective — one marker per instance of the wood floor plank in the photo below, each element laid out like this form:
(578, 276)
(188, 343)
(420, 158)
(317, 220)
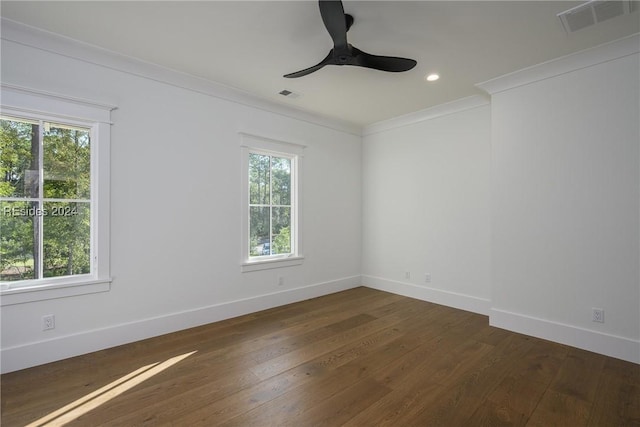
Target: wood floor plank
(579, 375)
(440, 360)
(466, 392)
(617, 401)
(356, 358)
(342, 406)
(516, 397)
(491, 335)
(417, 385)
(510, 404)
(560, 410)
(173, 393)
(76, 378)
(279, 377)
(280, 383)
(346, 370)
(303, 397)
(296, 342)
(281, 363)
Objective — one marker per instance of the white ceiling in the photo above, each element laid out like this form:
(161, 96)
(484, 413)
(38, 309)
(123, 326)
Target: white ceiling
(249, 45)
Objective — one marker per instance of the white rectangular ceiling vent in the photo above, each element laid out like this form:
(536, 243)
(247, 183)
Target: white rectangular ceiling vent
(289, 94)
(593, 12)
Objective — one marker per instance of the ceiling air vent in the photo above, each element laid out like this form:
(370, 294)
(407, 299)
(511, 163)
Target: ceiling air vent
(288, 94)
(593, 12)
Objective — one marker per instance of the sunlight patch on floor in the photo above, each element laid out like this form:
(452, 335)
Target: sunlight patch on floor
(92, 400)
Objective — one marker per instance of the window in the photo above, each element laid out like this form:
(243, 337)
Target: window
(54, 196)
(45, 200)
(271, 203)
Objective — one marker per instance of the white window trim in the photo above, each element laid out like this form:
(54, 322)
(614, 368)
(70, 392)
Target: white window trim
(254, 143)
(31, 104)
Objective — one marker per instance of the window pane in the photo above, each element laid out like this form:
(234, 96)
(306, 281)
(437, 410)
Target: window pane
(67, 162)
(19, 159)
(259, 243)
(18, 229)
(281, 180)
(259, 179)
(281, 230)
(67, 239)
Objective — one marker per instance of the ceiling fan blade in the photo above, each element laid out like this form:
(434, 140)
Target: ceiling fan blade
(337, 24)
(383, 63)
(335, 21)
(326, 61)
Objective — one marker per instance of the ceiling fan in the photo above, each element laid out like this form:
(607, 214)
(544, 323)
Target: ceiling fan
(337, 24)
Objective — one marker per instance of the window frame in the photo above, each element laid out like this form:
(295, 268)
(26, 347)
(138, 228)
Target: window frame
(250, 143)
(28, 104)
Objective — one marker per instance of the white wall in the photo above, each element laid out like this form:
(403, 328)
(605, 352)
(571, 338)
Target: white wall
(565, 207)
(527, 210)
(175, 217)
(426, 206)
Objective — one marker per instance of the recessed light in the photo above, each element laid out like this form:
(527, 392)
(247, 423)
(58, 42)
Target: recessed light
(432, 77)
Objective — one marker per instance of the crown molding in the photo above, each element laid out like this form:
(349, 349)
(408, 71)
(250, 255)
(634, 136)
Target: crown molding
(430, 113)
(55, 43)
(620, 48)
(42, 102)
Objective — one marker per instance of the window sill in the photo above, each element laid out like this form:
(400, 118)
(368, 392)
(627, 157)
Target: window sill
(41, 292)
(268, 264)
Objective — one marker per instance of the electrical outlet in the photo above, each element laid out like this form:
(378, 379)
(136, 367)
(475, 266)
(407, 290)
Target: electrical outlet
(48, 322)
(597, 315)
(427, 277)
(407, 275)
(280, 281)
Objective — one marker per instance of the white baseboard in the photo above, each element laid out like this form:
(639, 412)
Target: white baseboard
(438, 296)
(597, 342)
(38, 353)
(41, 352)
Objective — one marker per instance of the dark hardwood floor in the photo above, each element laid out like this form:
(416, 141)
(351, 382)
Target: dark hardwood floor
(356, 358)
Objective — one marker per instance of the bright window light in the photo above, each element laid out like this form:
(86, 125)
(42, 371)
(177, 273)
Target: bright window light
(93, 400)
